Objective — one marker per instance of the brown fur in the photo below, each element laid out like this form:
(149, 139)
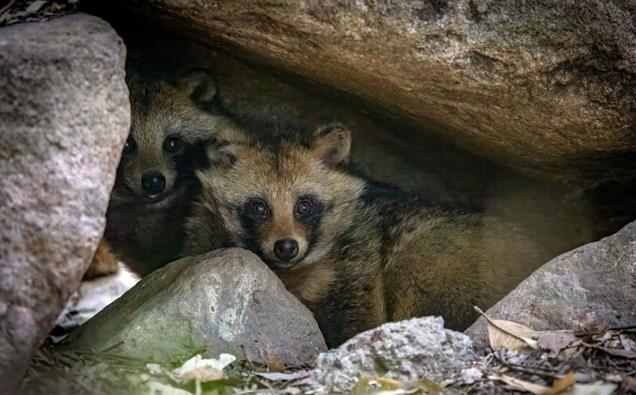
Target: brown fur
(147, 233)
(377, 254)
(104, 262)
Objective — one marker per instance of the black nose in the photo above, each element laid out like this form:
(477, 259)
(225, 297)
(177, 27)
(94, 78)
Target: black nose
(153, 183)
(286, 249)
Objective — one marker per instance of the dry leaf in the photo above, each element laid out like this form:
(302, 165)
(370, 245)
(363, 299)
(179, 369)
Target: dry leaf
(613, 377)
(201, 369)
(203, 374)
(555, 341)
(513, 336)
(35, 6)
(561, 384)
(598, 388)
(520, 385)
(605, 336)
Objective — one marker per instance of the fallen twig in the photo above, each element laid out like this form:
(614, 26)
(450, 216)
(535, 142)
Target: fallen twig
(627, 328)
(538, 372)
(6, 7)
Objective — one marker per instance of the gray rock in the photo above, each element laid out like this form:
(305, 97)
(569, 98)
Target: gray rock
(64, 117)
(226, 301)
(595, 282)
(405, 351)
(542, 86)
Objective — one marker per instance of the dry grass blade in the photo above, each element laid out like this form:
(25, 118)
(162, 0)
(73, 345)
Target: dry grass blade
(555, 341)
(508, 334)
(6, 7)
(520, 385)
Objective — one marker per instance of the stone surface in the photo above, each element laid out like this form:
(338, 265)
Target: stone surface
(595, 282)
(544, 86)
(64, 117)
(404, 351)
(226, 301)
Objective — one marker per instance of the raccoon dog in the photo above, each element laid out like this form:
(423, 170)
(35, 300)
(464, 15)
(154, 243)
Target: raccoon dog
(155, 184)
(357, 253)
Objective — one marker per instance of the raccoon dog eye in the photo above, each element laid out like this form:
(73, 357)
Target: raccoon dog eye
(130, 146)
(303, 207)
(258, 209)
(173, 145)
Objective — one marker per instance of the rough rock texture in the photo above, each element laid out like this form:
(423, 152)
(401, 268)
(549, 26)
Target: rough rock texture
(543, 86)
(64, 117)
(404, 351)
(595, 282)
(226, 301)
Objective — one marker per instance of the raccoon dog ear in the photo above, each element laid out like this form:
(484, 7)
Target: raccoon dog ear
(221, 153)
(199, 84)
(332, 143)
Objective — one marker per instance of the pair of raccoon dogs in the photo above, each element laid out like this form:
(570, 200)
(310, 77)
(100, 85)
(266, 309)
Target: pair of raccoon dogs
(355, 252)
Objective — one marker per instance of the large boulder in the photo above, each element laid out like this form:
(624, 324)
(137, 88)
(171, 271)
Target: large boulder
(404, 351)
(64, 118)
(543, 86)
(226, 301)
(593, 284)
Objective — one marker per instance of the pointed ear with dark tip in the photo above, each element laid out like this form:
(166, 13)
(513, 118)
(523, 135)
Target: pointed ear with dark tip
(332, 144)
(200, 85)
(221, 154)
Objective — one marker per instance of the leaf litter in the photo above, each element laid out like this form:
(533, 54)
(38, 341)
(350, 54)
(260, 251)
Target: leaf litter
(595, 360)
(590, 359)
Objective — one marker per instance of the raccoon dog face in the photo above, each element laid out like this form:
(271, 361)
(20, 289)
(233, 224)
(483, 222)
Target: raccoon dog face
(167, 137)
(282, 203)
